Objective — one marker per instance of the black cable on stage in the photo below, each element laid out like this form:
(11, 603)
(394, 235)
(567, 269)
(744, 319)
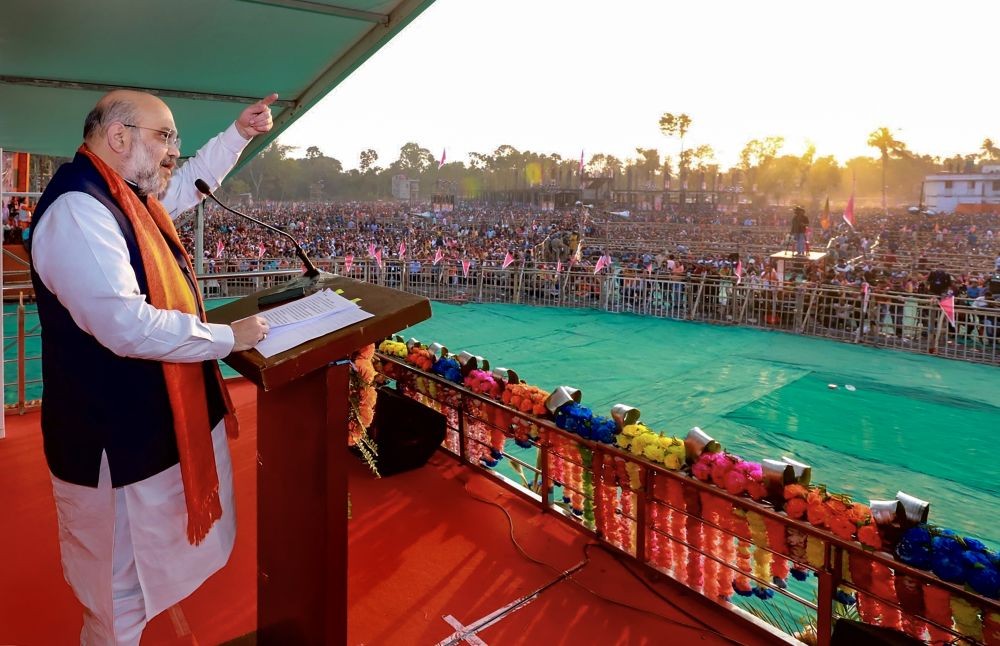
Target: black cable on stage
(567, 575)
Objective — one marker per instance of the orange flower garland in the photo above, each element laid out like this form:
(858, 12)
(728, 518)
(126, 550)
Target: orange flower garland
(362, 399)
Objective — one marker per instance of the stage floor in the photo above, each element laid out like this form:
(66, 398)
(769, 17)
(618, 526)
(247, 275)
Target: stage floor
(430, 553)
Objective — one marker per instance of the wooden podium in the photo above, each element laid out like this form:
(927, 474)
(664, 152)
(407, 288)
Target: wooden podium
(302, 414)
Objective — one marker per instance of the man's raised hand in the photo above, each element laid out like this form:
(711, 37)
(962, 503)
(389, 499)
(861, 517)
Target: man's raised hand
(256, 119)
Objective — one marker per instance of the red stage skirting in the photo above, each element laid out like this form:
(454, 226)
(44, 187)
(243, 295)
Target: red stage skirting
(421, 548)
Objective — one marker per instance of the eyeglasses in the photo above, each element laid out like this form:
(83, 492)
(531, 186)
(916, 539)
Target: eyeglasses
(170, 138)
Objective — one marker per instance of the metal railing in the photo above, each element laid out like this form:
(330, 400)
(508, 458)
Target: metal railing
(901, 321)
(695, 533)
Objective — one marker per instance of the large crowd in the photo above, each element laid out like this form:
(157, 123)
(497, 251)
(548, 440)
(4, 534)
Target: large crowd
(650, 244)
(896, 252)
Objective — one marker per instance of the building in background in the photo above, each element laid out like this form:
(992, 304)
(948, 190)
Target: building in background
(964, 192)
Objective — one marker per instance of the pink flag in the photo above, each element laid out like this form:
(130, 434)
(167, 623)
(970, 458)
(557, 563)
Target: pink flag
(849, 210)
(378, 257)
(371, 249)
(261, 250)
(948, 305)
(465, 268)
(219, 248)
(602, 262)
(348, 261)
(739, 271)
(402, 249)
(580, 169)
(649, 269)
(441, 163)
(509, 258)
(558, 266)
(438, 256)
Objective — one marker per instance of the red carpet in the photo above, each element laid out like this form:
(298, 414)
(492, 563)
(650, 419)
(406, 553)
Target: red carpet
(422, 548)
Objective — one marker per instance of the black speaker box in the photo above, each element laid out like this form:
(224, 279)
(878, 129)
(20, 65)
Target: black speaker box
(405, 431)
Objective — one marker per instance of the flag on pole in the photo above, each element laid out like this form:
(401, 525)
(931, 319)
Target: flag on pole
(465, 267)
(261, 250)
(378, 257)
(739, 271)
(402, 249)
(443, 157)
(219, 248)
(507, 260)
(580, 169)
(438, 255)
(849, 209)
(371, 249)
(824, 221)
(948, 305)
(348, 261)
(558, 266)
(602, 262)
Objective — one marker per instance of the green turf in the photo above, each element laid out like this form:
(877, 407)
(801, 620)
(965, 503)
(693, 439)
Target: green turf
(914, 423)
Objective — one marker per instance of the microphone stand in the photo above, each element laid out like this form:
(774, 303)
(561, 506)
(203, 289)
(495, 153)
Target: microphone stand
(309, 282)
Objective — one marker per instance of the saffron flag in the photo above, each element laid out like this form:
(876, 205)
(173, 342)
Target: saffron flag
(739, 271)
(348, 261)
(558, 266)
(465, 268)
(438, 256)
(219, 248)
(378, 257)
(824, 221)
(948, 305)
(849, 210)
(507, 260)
(402, 249)
(261, 250)
(441, 163)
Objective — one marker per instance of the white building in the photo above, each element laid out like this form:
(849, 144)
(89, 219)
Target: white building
(948, 192)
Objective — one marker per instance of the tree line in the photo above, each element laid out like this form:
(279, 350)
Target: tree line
(765, 175)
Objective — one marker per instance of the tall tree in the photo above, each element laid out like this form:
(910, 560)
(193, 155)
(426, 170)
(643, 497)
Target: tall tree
(413, 157)
(677, 125)
(887, 145)
(368, 159)
(990, 150)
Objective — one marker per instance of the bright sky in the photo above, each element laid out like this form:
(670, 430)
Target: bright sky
(555, 76)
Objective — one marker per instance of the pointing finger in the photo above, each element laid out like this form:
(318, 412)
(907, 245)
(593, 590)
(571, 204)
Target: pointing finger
(269, 99)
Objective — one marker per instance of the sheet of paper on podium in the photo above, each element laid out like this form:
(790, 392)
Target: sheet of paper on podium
(307, 318)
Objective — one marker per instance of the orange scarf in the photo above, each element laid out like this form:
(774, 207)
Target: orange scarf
(170, 290)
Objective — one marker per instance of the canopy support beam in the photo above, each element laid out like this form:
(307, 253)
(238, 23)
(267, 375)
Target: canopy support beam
(329, 10)
(105, 87)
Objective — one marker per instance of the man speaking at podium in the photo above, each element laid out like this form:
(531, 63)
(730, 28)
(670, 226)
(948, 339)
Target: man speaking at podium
(135, 414)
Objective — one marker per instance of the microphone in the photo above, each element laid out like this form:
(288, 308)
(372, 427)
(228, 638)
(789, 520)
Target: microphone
(311, 271)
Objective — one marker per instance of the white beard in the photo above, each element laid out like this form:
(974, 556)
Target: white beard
(143, 169)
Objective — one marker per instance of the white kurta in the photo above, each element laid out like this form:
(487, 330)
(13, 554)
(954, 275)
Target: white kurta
(80, 254)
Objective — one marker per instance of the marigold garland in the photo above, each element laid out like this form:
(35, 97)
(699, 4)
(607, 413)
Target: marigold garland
(362, 398)
(678, 528)
(776, 541)
(761, 557)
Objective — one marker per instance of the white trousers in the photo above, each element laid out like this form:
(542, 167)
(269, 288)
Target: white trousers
(125, 551)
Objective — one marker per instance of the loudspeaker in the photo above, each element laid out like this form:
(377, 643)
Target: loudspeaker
(405, 431)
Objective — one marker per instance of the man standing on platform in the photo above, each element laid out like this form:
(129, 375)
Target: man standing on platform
(799, 225)
(135, 415)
